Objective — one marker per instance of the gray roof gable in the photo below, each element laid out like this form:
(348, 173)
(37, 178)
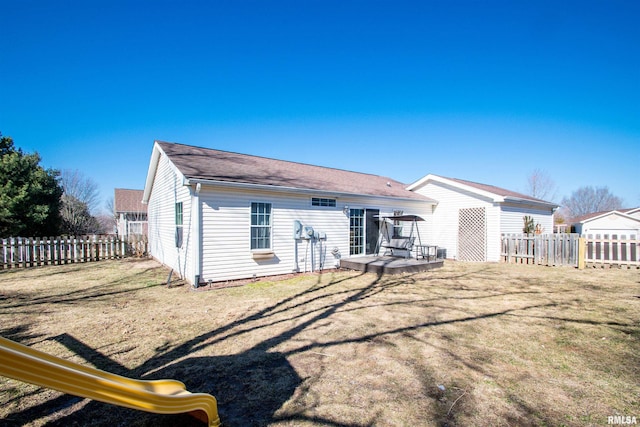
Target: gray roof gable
(499, 191)
(206, 164)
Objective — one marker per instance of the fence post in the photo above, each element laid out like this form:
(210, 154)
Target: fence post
(582, 246)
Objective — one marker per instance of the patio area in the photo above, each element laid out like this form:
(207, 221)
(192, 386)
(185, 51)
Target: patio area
(390, 264)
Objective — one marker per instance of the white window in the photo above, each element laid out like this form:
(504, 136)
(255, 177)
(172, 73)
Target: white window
(260, 225)
(135, 227)
(319, 201)
(179, 224)
(397, 225)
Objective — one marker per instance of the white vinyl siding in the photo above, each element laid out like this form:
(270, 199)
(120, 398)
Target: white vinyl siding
(446, 214)
(226, 225)
(512, 219)
(166, 192)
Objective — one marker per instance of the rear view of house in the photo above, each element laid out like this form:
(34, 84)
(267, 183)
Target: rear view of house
(216, 215)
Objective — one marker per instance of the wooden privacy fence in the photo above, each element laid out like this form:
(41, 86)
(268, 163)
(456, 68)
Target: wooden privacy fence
(569, 249)
(19, 252)
(540, 249)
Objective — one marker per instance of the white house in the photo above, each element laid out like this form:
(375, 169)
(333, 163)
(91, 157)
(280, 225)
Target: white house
(621, 223)
(216, 215)
(470, 218)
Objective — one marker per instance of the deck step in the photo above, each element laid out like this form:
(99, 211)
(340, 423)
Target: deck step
(389, 265)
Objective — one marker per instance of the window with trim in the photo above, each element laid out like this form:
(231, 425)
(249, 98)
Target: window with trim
(260, 225)
(397, 225)
(134, 227)
(319, 201)
(179, 232)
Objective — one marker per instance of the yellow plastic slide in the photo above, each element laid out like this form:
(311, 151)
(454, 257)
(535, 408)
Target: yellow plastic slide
(160, 396)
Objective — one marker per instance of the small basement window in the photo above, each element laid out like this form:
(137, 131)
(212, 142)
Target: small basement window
(319, 201)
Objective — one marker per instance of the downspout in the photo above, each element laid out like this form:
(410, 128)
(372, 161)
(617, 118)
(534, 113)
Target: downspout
(197, 240)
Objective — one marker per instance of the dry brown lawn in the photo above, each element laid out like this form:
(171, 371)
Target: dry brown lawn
(464, 345)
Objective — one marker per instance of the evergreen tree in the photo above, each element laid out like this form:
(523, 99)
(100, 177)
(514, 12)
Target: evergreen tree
(29, 194)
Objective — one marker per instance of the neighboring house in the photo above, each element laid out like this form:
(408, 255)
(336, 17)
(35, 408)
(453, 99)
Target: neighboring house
(130, 212)
(615, 224)
(470, 218)
(216, 215)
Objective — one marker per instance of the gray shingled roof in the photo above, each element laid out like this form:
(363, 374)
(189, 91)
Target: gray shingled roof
(214, 165)
(497, 190)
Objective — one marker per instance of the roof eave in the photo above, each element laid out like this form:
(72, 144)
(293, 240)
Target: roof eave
(297, 190)
(604, 214)
(496, 198)
(151, 172)
(521, 201)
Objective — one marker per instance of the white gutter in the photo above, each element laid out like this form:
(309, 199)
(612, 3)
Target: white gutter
(296, 190)
(531, 203)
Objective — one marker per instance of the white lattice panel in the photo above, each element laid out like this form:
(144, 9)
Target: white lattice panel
(472, 234)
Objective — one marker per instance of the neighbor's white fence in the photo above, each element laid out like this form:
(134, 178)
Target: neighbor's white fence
(570, 249)
(612, 252)
(23, 252)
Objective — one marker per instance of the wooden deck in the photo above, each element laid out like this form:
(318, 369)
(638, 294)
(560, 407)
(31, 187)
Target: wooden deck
(389, 265)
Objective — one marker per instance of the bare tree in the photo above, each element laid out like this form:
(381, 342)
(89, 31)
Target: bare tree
(80, 199)
(541, 186)
(108, 217)
(106, 222)
(81, 188)
(588, 199)
(76, 218)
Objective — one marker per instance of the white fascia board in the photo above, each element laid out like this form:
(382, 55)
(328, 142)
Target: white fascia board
(156, 155)
(289, 190)
(632, 211)
(420, 182)
(151, 172)
(435, 178)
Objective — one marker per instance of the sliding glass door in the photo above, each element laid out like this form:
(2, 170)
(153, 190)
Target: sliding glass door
(363, 231)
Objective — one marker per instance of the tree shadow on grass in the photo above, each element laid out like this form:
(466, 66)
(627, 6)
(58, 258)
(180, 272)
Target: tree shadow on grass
(252, 385)
(249, 387)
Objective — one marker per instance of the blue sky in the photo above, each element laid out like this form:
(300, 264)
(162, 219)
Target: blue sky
(481, 90)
